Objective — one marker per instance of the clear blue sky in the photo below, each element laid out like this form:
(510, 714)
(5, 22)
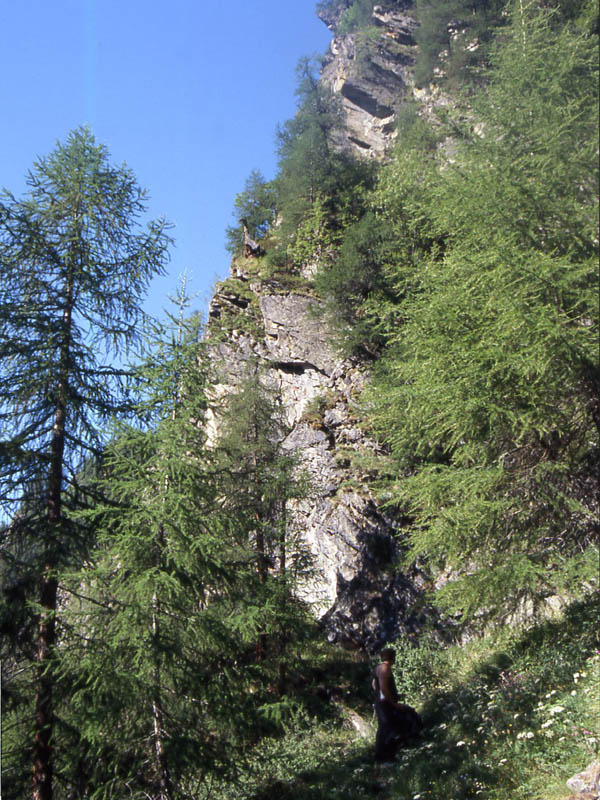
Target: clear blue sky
(187, 93)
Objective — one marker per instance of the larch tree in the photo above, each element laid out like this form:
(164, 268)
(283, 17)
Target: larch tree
(75, 262)
(256, 205)
(488, 393)
(152, 683)
(260, 479)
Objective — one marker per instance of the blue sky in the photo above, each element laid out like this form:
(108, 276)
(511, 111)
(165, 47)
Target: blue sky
(187, 93)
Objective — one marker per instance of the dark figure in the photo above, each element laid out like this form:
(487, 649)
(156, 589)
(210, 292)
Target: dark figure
(398, 723)
(251, 248)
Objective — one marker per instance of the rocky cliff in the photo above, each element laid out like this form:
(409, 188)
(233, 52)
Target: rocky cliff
(371, 71)
(361, 597)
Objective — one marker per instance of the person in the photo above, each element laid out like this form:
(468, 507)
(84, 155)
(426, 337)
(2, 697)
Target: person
(398, 723)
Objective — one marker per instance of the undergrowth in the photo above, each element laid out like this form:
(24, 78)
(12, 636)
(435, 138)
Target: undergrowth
(510, 716)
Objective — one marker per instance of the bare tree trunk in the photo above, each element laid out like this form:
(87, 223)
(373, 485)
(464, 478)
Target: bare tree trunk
(282, 578)
(164, 777)
(46, 638)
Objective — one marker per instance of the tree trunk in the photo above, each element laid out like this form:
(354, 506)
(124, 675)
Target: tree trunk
(283, 589)
(164, 777)
(261, 642)
(44, 713)
(44, 709)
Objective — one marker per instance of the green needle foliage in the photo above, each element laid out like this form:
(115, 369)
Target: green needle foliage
(488, 392)
(319, 190)
(157, 627)
(260, 484)
(454, 36)
(256, 204)
(74, 266)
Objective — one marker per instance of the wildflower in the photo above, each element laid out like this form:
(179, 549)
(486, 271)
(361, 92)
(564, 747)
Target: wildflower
(503, 761)
(573, 693)
(525, 735)
(556, 709)
(461, 743)
(548, 723)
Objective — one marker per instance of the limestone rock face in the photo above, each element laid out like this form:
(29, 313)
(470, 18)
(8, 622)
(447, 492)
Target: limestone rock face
(372, 73)
(362, 600)
(358, 592)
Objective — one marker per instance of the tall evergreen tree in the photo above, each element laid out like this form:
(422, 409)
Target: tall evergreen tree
(488, 393)
(74, 265)
(261, 480)
(151, 687)
(454, 35)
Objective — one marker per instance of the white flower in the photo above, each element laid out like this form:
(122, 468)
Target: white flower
(556, 709)
(573, 693)
(461, 743)
(525, 735)
(548, 723)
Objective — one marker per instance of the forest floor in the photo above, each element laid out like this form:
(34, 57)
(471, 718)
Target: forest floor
(510, 716)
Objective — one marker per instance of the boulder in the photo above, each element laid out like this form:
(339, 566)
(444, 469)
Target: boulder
(586, 785)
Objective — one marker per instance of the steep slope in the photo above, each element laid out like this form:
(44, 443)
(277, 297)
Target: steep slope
(361, 597)
(357, 592)
(372, 73)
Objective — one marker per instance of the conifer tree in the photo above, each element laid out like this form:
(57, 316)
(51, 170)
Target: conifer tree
(256, 204)
(454, 35)
(74, 265)
(161, 597)
(260, 481)
(488, 393)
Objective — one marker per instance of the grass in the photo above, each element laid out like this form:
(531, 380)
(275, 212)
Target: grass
(510, 716)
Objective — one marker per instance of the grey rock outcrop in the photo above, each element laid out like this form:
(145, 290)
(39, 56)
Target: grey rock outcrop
(586, 785)
(357, 592)
(372, 73)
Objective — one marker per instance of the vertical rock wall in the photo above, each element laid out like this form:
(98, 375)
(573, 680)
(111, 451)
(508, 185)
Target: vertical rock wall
(362, 599)
(358, 593)
(371, 71)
